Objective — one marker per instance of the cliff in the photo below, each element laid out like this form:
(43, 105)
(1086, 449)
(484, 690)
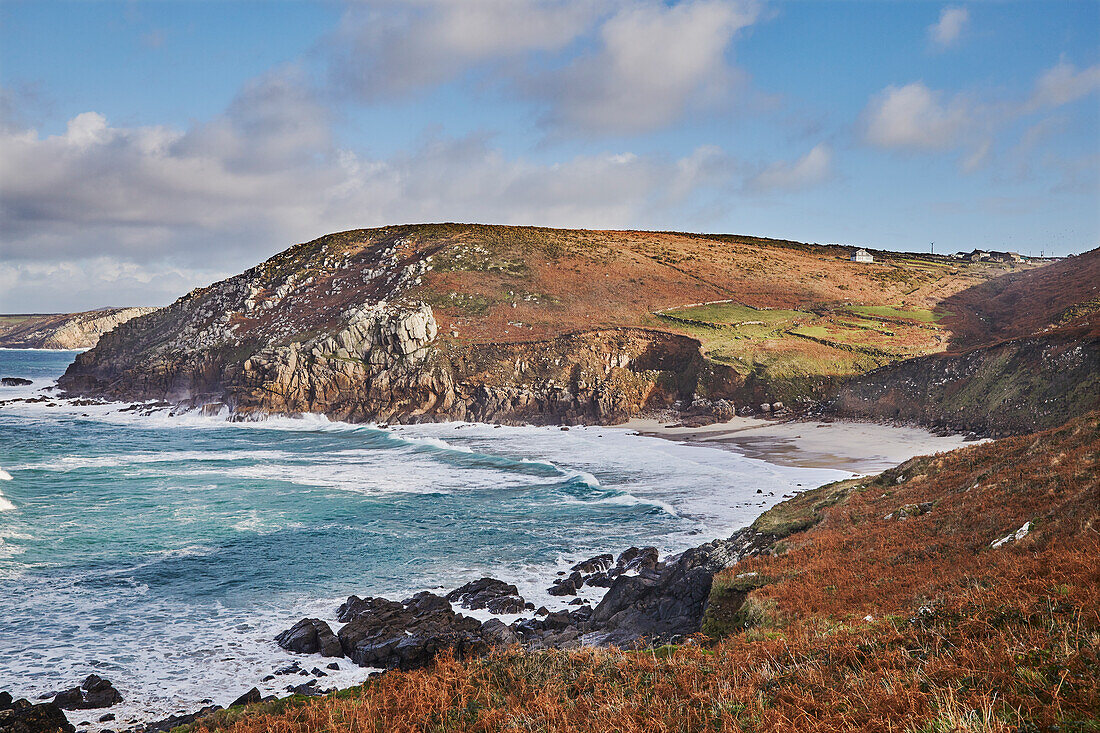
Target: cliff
(63, 331)
(1025, 356)
(521, 324)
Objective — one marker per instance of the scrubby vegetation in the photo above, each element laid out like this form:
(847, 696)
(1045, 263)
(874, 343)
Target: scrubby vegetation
(891, 606)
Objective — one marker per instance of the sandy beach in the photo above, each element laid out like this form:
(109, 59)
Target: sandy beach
(859, 447)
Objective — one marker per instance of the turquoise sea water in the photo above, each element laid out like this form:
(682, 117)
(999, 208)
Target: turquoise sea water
(165, 552)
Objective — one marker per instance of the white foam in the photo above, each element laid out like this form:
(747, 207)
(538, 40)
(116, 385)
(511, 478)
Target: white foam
(4, 475)
(5, 504)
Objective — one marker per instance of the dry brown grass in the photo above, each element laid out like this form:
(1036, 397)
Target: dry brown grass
(961, 636)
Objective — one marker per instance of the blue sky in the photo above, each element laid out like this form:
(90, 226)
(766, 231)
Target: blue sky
(150, 147)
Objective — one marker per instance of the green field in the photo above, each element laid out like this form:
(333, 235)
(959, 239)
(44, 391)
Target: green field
(922, 315)
(790, 349)
(732, 314)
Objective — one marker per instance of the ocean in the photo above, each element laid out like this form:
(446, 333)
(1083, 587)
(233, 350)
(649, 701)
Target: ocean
(165, 553)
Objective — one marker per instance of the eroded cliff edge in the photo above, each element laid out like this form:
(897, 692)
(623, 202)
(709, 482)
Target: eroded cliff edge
(528, 325)
(337, 328)
(63, 331)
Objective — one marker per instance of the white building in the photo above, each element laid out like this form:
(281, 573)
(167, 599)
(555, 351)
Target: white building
(862, 255)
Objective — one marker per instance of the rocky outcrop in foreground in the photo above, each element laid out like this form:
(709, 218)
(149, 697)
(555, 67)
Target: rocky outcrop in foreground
(648, 602)
(23, 716)
(64, 331)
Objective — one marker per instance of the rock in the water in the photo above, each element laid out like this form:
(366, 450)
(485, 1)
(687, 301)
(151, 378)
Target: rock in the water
(638, 559)
(310, 636)
(495, 595)
(596, 564)
(566, 586)
(94, 692)
(14, 382)
(407, 635)
(23, 716)
(249, 698)
(308, 688)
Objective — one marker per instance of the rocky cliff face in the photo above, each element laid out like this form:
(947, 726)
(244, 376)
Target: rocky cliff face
(1017, 386)
(66, 331)
(335, 327)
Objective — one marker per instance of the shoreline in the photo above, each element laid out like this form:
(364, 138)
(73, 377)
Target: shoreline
(780, 442)
(858, 446)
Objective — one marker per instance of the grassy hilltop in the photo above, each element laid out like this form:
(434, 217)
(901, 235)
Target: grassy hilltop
(526, 324)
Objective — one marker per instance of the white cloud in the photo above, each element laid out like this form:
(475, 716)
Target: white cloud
(949, 28)
(916, 117)
(812, 168)
(388, 48)
(1063, 84)
(165, 209)
(654, 65)
(589, 67)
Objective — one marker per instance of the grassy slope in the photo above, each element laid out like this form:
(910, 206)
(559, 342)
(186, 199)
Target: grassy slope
(863, 621)
(1024, 354)
(823, 317)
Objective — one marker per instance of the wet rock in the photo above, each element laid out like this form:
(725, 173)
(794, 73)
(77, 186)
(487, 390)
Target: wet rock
(494, 595)
(596, 564)
(14, 382)
(566, 586)
(637, 559)
(94, 692)
(310, 636)
(407, 635)
(106, 718)
(306, 688)
(333, 665)
(249, 698)
(23, 716)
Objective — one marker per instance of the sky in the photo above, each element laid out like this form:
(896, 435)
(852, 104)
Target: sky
(147, 148)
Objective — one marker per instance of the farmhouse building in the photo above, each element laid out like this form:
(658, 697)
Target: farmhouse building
(862, 255)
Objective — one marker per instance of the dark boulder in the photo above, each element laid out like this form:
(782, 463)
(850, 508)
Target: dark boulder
(355, 606)
(496, 633)
(94, 692)
(309, 689)
(596, 564)
(636, 559)
(174, 721)
(567, 586)
(310, 636)
(406, 635)
(23, 716)
(664, 603)
(495, 595)
(14, 382)
(249, 698)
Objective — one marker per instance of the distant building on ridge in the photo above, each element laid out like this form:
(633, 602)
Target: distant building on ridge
(862, 255)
